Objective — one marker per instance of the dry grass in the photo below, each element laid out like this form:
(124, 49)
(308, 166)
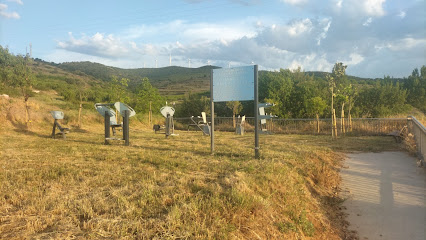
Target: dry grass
(171, 188)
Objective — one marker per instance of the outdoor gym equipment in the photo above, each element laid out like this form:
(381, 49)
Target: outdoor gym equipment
(110, 120)
(203, 125)
(263, 117)
(239, 130)
(58, 115)
(168, 113)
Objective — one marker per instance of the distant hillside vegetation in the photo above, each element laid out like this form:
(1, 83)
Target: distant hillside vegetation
(169, 80)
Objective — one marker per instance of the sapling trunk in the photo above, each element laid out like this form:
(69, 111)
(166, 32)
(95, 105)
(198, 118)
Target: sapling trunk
(318, 125)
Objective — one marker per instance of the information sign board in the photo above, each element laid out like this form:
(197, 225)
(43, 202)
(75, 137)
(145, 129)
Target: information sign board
(233, 84)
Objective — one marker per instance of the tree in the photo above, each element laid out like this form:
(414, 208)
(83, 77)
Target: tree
(336, 80)
(82, 96)
(316, 106)
(383, 100)
(146, 93)
(352, 96)
(236, 108)
(22, 78)
(118, 90)
(5, 67)
(416, 89)
(280, 87)
(193, 105)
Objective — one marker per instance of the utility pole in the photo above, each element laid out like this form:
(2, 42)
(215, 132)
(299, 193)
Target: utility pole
(170, 60)
(31, 50)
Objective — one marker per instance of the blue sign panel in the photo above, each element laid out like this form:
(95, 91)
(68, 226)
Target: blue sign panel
(233, 84)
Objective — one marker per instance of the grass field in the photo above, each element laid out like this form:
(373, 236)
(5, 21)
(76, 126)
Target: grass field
(159, 188)
(172, 188)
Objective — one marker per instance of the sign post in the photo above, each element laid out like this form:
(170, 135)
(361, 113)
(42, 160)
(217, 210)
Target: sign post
(256, 113)
(235, 84)
(212, 110)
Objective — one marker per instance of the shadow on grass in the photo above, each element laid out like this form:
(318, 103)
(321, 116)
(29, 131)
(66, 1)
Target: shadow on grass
(31, 133)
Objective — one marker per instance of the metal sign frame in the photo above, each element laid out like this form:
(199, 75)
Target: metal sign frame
(240, 97)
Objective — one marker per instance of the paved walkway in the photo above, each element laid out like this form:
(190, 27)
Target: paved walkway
(386, 196)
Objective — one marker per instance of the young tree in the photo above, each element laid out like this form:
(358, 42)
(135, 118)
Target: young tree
(352, 94)
(5, 67)
(118, 90)
(337, 80)
(236, 108)
(146, 93)
(316, 106)
(82, 94)
(22, 78)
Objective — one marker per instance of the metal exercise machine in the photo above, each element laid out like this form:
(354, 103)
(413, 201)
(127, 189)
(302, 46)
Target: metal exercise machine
(58, 115)
(110, 120)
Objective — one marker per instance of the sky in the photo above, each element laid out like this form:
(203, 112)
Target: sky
(375, 38)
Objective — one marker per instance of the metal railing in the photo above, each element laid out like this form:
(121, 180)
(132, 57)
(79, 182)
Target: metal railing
(419, 132)
(358, 126)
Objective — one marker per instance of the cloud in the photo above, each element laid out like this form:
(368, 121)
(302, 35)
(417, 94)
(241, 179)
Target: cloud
(313, 43)
(354, 8)
(240, 2)
(402, 44)
(300, 27)
(354, 59)
(16, 1)
(401, 14)
(6, 14)
(374, 7)
(99, 44)
(295, 2)
(367, 22)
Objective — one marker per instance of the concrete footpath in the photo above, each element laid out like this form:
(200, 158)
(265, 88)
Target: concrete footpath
(386, 196)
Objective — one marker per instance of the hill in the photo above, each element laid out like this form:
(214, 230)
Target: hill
(172, 80)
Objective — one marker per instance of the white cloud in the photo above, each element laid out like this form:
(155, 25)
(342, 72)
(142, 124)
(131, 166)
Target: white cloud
(354, 59)
(16, 1)
(374, 7)
(339, 4)
(401, 14)
(367, 22)
(184, 31)
(406, 44)
(312, 43)
(323, 35)
(6, 14)
(356, 8)
(311, 62)
(295, 2)
(300, 27)
(97, 45)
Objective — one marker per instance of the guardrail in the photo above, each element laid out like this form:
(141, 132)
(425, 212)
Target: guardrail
(419, 132)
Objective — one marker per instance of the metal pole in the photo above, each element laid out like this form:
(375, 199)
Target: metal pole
(150, 115)
(54, 129)
(212, 112)
(256, 114)
(107, 126)
(126, 127)
(167, 125)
